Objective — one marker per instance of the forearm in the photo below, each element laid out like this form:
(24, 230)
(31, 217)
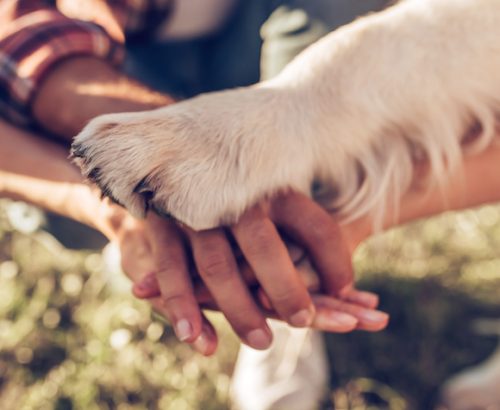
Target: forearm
(64, 58)
(82, 88)
(38, 171)
(478, 184)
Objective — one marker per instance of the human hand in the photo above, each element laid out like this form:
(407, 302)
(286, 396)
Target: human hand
(145, 245)
(282, 291)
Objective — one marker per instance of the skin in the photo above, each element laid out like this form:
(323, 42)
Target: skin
(38, 171)
(476, 184)
(30, 171)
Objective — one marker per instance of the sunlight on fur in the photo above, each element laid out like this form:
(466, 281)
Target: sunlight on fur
(353, 112)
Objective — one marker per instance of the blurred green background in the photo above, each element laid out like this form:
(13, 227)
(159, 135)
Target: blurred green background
(72, 337)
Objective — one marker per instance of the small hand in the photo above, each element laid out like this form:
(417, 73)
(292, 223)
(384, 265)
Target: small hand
(332, 314)
(154, 248)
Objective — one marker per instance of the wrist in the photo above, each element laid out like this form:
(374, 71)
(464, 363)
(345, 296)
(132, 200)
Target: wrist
(355, 232)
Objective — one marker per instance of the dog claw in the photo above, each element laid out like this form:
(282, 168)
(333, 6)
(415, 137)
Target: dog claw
(77, 151)
(142, 187)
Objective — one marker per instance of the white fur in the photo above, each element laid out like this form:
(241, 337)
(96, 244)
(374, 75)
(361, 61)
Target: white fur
(354, 112)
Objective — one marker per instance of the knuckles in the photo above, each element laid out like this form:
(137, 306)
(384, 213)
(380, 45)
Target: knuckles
(216, 266)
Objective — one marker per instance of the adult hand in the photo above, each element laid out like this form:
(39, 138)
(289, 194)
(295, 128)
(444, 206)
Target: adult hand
(227, 276)
(37, 171)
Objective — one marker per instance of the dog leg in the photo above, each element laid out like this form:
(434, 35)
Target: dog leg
(352, 113)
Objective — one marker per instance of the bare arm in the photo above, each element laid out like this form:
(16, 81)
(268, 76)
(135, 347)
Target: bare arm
(59, 60)
(81, 88)
(478, 184)
(37, 171)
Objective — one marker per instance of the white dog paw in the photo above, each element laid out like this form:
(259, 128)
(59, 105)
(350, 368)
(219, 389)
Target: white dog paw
(202, 161)
(354, 111)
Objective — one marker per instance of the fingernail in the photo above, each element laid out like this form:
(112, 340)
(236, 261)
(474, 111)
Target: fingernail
(201, 344)
(335, 319)
(258, 339)
(302, 318)
(183, 330)
(368, 299)
(147, 281)
(374, 316)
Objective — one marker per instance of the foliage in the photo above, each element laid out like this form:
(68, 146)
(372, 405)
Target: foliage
(68, 341)
(71, 336)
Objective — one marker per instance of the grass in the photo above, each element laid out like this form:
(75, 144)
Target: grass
(71, 337)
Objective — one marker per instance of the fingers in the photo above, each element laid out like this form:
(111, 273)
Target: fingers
(148, 288)
(332, 315)
(217, 267)
(313, 227)
(268, 257)
(173, 278)
(338, 316)
(206, 342)
(367, 299)
(331, 310)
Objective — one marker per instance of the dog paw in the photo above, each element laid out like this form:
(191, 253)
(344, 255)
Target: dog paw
(352, 113)
(202, 161)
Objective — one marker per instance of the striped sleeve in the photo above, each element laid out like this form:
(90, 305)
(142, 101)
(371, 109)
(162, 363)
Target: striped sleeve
(36, 42)
(40, 36)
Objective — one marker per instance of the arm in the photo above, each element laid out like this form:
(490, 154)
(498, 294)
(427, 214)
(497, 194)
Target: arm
(37, 171)
(87, 87)
(60, 83)
(211, 249)
(64, 98)
(477, 184)
(37, 41)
